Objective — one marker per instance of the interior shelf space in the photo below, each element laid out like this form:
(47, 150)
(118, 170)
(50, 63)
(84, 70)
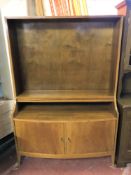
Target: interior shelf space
(65, 96)
(125, 100)
(66, 112)
(127, 69)
(125, 94)
(61, 63)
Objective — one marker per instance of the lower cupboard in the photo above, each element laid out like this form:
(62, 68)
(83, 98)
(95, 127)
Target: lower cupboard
(65, 139)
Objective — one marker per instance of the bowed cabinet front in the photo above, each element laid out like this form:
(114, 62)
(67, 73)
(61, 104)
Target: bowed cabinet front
(83, 135)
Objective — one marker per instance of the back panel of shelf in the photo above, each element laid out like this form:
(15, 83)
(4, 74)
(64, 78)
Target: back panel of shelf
(126, 84)
(125, 93)
(75, 57)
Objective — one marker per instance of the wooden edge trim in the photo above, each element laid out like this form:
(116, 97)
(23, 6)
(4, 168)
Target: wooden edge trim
(9, 55)
(117, 64)
(66, 156)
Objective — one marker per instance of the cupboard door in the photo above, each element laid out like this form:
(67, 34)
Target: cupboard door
(93, 138)
(127, 42)
(125, 145)
(127, 142)
(40, 137)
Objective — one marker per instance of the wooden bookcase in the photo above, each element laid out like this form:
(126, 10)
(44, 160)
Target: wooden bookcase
(65, 73)
(123, 153)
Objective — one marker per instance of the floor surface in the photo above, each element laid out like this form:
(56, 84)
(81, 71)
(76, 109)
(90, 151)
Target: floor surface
(99, 166)
(7, 160)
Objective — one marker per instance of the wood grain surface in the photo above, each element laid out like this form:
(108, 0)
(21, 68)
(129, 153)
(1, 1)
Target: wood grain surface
(65, 55)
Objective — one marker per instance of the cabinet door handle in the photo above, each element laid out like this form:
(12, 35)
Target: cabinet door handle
(62, 139)
(69, 140)
(64, 143)
(130, 58)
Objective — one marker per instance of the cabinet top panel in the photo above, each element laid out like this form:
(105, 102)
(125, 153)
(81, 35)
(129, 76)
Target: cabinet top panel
(106, 17)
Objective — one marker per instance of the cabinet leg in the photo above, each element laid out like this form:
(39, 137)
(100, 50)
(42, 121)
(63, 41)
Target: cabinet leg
(19, 162)
(113, 160)
(121, 164)
(19, 159)
(117, 164)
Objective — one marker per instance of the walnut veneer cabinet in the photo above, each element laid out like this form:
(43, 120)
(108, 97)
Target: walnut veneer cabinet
(123, 154)
(65, 73)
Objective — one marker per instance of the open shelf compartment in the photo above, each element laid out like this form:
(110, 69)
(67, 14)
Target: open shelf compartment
(66, 112)
(65, 96)
(125, 94)
(65, 59)
(59, 130)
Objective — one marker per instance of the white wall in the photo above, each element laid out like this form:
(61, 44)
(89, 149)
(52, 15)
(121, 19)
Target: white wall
(102, 7)
(7, 8)
(13, 7)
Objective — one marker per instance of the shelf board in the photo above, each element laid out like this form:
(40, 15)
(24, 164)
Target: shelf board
(65, 96)
(125, 100)
(62, 113)
(127, 69)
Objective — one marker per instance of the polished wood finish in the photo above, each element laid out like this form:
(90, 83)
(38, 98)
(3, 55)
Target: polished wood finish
(69, 128)
(80, 137)
(65, 96)
(30, 139)
(66, 73)
(123, 151)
